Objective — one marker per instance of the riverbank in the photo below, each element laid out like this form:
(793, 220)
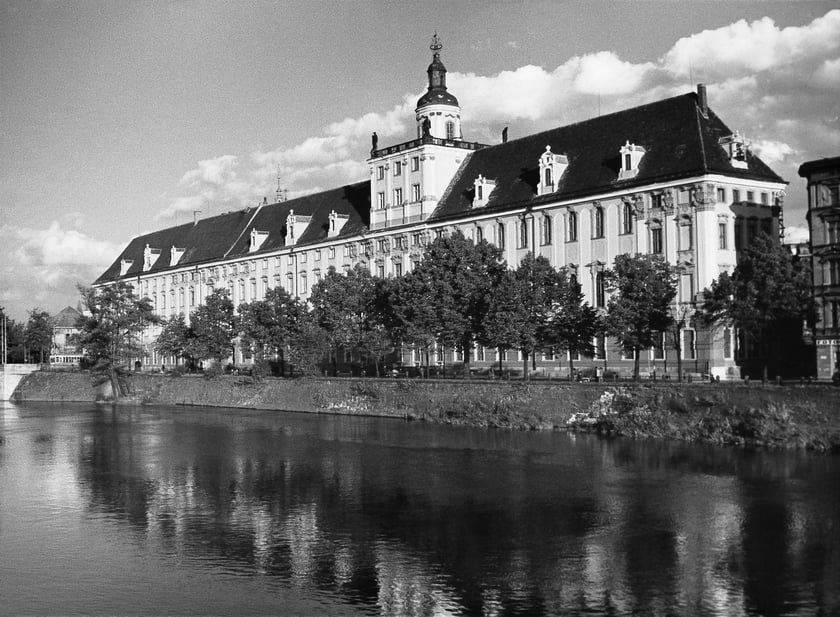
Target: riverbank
(746, 415)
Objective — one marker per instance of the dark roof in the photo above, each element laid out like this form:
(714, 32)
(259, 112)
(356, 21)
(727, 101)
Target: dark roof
(66, 318)
(809, 167)
(679, 141)
(229, 234)
(437, 96)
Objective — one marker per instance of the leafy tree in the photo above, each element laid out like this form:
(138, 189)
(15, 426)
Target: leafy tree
(307, 345)
(643, 287)
(14, 340)
(456, 279)
(214, 328)
(269, 325)
(680, 317)
(767, 297)
(573, 323)
(409, 317)
(111, 325)
(345, 307)
(506, 318)
(38, 334)
(176, 339)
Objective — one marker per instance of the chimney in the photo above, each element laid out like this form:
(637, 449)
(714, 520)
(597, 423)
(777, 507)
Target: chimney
(702, 101)
(504, 135)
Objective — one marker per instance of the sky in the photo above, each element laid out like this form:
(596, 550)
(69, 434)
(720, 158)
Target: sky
(118, 118)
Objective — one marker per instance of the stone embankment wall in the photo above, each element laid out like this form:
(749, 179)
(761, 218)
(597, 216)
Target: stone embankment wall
(786, 416)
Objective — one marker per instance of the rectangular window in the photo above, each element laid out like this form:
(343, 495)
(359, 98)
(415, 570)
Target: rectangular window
(727, 343)
(265, 264)
(656, 240)
(545, 229)
(415, 192)
(600, 348)
(722, 235)
(380, 172)
(479, 234)
(303, 283)
(765, 198)
(331, 253)
(397, 168)
(736, 195)
(380, 200)
(318, 255)
(750, 196)
(500, 236)
(688, 350)
(659, 346)
(253, 289)
(398, 268)
(721, 195)
(415, 163)
(687, 287)
(380, 271)
(523, 234)
(398, 197)
(628, 353)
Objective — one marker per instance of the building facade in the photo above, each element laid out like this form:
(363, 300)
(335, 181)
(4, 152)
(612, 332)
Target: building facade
(823, 178)
(668, 178)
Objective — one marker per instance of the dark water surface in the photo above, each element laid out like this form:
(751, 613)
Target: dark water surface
(204, 511)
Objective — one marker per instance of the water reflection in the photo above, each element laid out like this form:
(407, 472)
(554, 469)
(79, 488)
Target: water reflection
(333, 514)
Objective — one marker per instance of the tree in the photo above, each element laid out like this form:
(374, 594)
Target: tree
(176, 339)
(642, 287)
(409, 317)
(268, 326)
(572, 323)
(214, 327)
(456, 279)
(38, 333)
(110, 327)
(767, 297)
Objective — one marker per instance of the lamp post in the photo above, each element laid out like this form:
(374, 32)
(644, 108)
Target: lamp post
(4, 343)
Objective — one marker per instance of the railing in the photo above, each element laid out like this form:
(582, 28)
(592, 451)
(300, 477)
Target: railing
(427, 139)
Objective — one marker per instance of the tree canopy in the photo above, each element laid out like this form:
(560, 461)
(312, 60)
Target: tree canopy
(38, 333)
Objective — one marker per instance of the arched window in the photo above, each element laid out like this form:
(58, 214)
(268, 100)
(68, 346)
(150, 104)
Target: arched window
(523, 234)
(598, 221)
(479, 234)
(500, 236)
(545, 227)
(572, 221)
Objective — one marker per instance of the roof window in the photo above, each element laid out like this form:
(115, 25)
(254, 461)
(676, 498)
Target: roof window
(483, 188)
(337, 221)
(736, 148)
(296, 225)
(175, 255)
(631, 157)
(552, 168)
(125, 264)
(150, 256)
(257, 239)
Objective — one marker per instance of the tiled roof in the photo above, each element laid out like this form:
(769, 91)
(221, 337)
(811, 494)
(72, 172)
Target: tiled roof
(66, 318)
(228, 235)
(679, 142)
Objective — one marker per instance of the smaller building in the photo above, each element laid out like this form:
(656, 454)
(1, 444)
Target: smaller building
(823, 178)
(64, 328)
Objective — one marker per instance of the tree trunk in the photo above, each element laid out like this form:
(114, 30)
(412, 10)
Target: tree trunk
(571, 366)
(636, 358)
(467, 350)
(525, 374)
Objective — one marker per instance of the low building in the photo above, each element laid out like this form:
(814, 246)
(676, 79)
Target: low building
(823, 178)
(669, 178)
(64, 329)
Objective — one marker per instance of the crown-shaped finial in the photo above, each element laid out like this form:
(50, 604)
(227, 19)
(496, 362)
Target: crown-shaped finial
(436, 45)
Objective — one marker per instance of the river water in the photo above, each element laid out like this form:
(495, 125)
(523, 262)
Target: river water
(158, 510)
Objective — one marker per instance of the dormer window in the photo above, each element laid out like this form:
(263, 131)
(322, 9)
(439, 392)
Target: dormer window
(631, 157)
(257, 239)
(552, 168)
(483, 188)
(736, 147)
(295, 227)
(175, 255)
(150, 256)
(337, 221)
(125, 264)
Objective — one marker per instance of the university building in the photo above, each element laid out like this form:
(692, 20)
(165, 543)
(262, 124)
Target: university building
(823, 177)
(668, 178)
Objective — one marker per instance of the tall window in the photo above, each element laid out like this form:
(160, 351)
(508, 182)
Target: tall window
(721, 195)
(736, 195)
(659, 346)
(500, 236)
(479, 234)
(415, 192)
(398, 197)
(627, 219)
(727, 343)
(685, 233)
(598, 220)
(628, 162)
(523, 234)
(688, 348)
(450, 130)
(600, 348)
(599, 289)
(415, 163)
(548, 179)
(380, 200)
(722, 235)
(572, 220)
(545, 229)
(656, 240)
(380, 172)
(397, 168)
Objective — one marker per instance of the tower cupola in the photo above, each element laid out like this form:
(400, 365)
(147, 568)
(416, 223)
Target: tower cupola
(438, 113)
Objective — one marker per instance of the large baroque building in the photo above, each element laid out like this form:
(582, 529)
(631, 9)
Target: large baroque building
(823, 178)
(667, 178)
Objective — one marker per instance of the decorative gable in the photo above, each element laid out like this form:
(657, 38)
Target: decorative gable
(483, 188)
(736, 147)
(150, 256)
(175, 255)
(631, 157)
(337, 221)
(552, 168)
(295, 227)
(257, 239)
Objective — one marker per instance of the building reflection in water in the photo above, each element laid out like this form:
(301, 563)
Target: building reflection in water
(409, 519)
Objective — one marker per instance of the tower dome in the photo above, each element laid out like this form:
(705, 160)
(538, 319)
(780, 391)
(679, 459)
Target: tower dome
(438, 113)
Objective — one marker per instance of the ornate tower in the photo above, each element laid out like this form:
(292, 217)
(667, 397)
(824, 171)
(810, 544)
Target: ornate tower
(438, 113)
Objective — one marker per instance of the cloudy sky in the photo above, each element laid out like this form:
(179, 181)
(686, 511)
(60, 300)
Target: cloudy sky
(118, 118)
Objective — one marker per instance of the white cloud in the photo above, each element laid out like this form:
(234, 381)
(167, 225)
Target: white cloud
(795, 234)
(772, 152)
(604, 73)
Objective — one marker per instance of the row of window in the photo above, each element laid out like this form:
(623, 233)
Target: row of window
(414, 161)
(398, 197)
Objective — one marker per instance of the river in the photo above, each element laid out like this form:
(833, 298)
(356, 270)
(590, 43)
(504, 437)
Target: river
(185, 510)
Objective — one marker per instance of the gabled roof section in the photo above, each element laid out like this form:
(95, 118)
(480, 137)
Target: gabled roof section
(66, 318)
(679, 142)
(228, 235)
